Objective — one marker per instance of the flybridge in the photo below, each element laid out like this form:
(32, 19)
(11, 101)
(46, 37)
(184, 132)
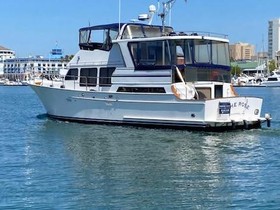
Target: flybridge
(101, 36)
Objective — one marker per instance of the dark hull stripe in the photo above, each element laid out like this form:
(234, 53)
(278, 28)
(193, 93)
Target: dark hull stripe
(178, 126)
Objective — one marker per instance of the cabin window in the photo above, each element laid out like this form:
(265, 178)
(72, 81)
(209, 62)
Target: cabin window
(272, 79)
(72, 74)
(88, 77)
(220, 53)
(211, 52)
(182, 51)
(207, 73)
(150, 54)
(97, 38)
(152, 31)
(105, 76)
(202, 51)
(84, 36)
(133, 31)
(204, 60)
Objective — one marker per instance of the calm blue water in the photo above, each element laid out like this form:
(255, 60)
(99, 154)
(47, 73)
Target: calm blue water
(47, 164)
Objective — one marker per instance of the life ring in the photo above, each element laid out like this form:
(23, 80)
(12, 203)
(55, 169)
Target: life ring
(183, 91)
(175, 91)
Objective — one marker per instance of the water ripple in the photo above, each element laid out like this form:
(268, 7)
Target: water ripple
(48, 164)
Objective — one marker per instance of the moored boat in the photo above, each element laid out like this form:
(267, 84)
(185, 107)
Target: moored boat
(273, 80)
(150, 75)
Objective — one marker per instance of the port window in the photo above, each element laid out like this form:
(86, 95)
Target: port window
(88, 77)
(151, 55)
(220, 53)
(105, 76)
(218, 91)
(202, 51)
(72, 74)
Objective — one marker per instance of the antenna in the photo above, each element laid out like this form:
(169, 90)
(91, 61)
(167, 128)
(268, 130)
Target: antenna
(167, 6)
(120, 3)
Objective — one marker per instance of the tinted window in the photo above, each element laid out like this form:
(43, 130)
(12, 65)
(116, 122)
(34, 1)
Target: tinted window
(151, 54)
(88, 77)
(105, 76)
(72, 74)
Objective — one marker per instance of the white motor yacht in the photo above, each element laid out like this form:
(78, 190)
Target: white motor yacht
(150, 75)
(273, 80)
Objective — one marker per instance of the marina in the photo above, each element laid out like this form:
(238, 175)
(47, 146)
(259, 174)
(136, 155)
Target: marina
(146, 114)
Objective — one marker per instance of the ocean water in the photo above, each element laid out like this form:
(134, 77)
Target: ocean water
(49, 164)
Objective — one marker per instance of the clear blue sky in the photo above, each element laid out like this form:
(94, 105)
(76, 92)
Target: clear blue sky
(32, 27)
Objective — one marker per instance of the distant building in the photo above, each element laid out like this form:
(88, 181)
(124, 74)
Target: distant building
(5, 53)
(21, 68)
(273, 38)
(242, 51)
(278, 59)
(251, 68)
(56, 53)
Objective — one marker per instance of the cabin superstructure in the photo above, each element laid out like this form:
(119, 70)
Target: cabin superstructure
(137, 58)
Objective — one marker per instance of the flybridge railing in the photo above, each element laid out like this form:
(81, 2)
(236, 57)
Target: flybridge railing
(198, 33)
(95, 64)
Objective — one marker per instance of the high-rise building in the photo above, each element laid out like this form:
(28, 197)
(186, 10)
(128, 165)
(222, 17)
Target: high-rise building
(273, 38)
(242, 51)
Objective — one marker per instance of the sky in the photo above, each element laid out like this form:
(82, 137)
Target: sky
(34, 27)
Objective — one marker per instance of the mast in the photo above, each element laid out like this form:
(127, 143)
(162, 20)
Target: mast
(166, 6)
(166, 10)
(120, 15)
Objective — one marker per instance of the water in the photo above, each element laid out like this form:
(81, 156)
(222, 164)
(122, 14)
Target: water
(48, 164)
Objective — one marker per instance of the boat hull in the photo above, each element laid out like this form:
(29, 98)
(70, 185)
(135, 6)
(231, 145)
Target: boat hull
(151, 110)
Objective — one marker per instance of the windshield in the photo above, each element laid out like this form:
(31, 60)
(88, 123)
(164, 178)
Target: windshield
(202, 51)
(199, 59)
(151, 54)
(92, 38)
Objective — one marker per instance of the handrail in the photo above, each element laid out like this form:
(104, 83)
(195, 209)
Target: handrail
(99, 63)
(87, 82)
(200, 33)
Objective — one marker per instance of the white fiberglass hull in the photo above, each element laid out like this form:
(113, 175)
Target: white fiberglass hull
(271, 83)
(157, 110)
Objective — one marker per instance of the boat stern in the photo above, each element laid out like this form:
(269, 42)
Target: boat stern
(235, 112)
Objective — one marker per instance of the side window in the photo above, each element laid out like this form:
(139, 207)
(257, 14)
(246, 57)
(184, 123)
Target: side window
(72, 74)
(150, 54)
(105, 76)
(88, 77)
(202, 51)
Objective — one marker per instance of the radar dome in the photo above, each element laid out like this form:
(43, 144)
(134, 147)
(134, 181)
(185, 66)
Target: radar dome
(152, 8)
